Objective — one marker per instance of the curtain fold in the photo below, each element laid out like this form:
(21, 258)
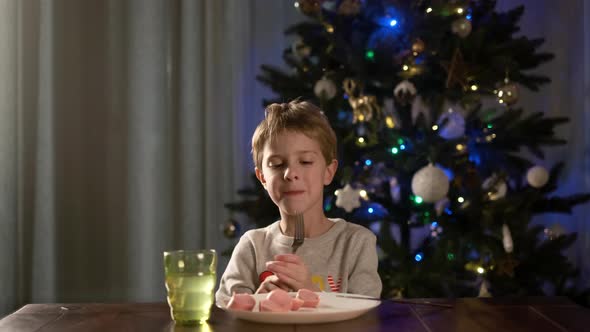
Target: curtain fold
(8, 152)
(124, 128)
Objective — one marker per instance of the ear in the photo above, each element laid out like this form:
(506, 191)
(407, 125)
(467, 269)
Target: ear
(330, 171)
(260, 176)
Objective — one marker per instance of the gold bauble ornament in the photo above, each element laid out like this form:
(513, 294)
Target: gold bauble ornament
(231, 229)
(418, 46)
(309, 7)
(349, 7)
(507, 93)
(300, 49)
(461, 27)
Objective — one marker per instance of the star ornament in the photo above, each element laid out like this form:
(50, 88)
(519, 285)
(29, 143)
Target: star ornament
(348, 198)
(507, 265)
(457, 70)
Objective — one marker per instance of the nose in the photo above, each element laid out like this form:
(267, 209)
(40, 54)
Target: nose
(291, 173)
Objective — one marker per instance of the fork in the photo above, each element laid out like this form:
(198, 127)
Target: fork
(299, 233)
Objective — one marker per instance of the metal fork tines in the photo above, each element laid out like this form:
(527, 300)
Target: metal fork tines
(299, 236)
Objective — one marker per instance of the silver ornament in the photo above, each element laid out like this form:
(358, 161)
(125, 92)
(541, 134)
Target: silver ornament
(461, 27)
(325, 88)
(430, 183)
(537, 176)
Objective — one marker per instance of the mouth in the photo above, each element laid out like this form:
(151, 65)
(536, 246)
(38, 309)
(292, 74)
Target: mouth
(292, 192)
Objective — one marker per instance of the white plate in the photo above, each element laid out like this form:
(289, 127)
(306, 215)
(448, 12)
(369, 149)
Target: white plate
(330, 309)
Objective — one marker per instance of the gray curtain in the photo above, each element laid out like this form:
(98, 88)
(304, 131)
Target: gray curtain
(124, 128)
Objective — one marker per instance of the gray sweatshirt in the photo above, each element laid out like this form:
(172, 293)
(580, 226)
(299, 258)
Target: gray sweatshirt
(344, 259)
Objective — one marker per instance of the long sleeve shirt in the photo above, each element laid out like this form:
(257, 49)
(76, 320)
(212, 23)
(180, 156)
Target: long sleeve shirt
(344, 259)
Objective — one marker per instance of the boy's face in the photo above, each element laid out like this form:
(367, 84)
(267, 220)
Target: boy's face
(294, 172)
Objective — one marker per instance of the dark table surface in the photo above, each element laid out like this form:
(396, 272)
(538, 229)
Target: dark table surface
(468, 314)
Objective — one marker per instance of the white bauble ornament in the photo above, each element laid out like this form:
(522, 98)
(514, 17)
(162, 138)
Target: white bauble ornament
(452, 123)
(499, 189)
(348, 198)
(325, 88)
(461, 27)
(507, 239)
(420, 107)
(537, 176)
(430, 183)
(405, 92)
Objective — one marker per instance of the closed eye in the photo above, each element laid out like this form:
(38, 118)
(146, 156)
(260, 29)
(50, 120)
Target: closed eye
(306, 162)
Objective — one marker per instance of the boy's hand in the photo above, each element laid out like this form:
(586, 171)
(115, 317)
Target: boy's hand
(271, 283)
(290, 270)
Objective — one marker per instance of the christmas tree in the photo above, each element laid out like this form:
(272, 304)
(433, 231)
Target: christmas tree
(436, 157)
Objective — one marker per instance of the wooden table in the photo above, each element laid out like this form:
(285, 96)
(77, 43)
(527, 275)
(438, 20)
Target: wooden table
(469, 314)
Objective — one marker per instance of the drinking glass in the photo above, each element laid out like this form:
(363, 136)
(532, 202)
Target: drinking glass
(190, 281)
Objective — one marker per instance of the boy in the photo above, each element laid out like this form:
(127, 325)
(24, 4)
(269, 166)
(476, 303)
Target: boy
(294, 150)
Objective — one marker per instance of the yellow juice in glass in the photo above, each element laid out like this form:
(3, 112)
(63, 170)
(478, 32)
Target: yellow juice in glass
(190, 296)
(190, 282)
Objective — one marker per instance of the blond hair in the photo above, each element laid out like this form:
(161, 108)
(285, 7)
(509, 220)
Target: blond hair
(298, 116)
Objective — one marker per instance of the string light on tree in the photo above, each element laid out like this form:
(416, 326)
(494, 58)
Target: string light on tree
(435, 229)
